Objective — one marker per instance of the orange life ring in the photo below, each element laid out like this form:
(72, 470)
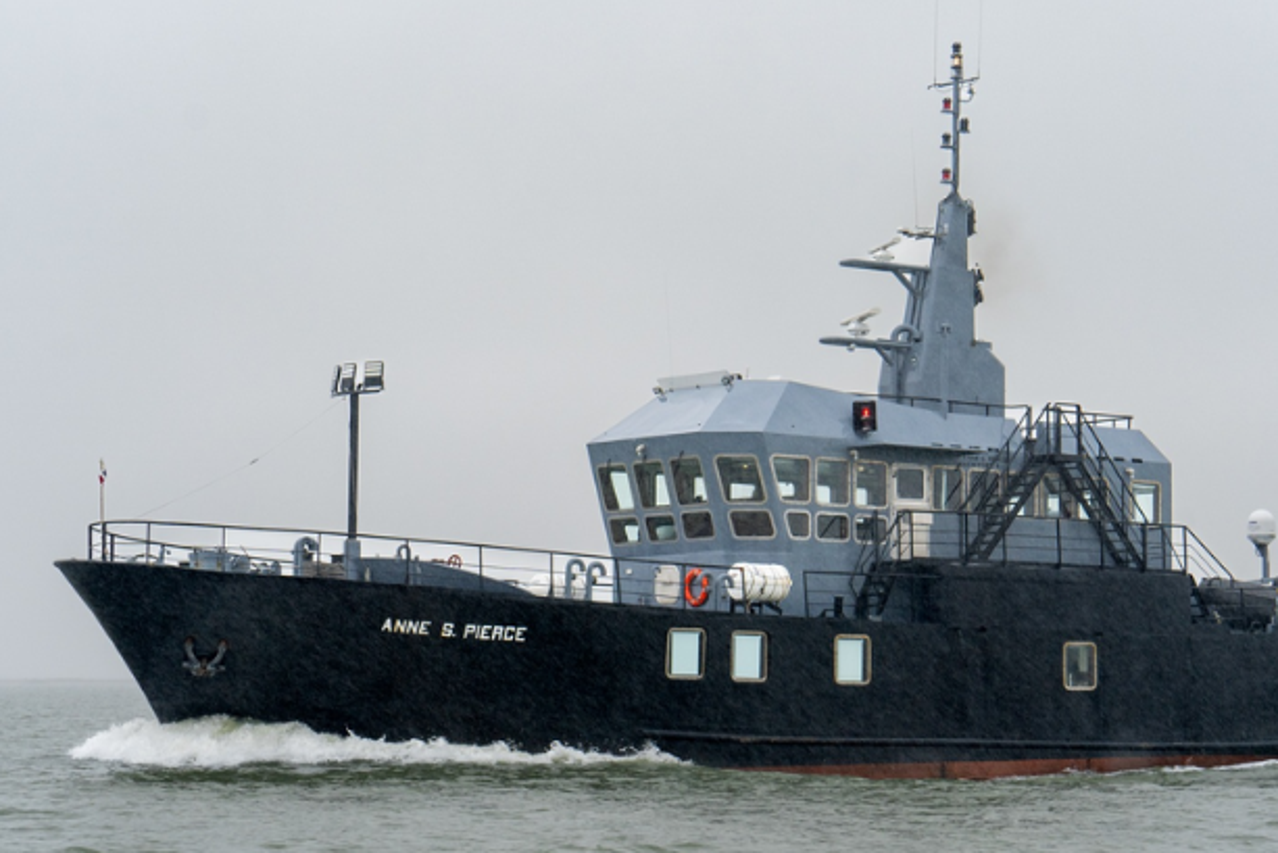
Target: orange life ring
(688, 580)
(455, 561)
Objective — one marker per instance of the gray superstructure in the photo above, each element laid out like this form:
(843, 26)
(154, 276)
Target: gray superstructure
(722, 470)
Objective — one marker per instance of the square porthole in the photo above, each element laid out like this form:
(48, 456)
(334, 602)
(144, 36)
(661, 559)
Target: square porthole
(749, 656)
(852, 659)
(1079, 666)
(685, 653)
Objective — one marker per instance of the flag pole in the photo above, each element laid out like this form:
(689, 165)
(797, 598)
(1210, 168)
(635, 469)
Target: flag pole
(102, 504)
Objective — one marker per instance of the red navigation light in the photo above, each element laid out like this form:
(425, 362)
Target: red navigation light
(947, 105)
(946, 175)
(865, 416)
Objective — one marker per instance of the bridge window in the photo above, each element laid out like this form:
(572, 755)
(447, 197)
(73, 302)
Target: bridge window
(910, 484)
(982, 484)
(852, 659)
(1057, 501)
(799, 523)
(685, 653)
(752, 523)
(661, 528)
(947, 488)
(870, 528)
(689, 480)
(1145, 509)
(832, 526)
(832, 482)
(793, 475)
(650, 480)
(749, 656)
(698, 525)
(1080, 666)
(871, 484)
(739, 477)
(614, 483)
(624, 530)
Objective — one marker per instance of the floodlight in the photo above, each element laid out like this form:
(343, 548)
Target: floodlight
(344, 379)
(373, 377)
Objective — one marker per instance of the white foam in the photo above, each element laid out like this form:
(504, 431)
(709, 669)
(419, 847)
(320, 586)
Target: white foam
(220, 742)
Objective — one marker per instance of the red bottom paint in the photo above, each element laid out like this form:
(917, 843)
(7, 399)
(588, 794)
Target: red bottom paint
(1001, 769)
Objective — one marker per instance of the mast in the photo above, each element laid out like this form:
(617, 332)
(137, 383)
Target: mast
(933, 357)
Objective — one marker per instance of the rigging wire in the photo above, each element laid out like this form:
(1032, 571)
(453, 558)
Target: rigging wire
(248, 464)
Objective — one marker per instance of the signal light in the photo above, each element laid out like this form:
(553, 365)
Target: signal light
(947, 105)
(865, 416)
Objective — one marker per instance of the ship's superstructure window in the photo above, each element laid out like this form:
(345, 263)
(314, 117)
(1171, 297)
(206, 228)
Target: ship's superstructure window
(947, 488)
(749, 656)
(799, 523)
(624, 530)
(832, 482)
(1057, 502)
(1145, 509)
(871, 484)
(698, 525)
(870, 528)
(650, 481)
(851, 659)
(752, 523)
(910, 483)
(614, 483)
(1080, 666)
(661, 528)
(685, 653)
(832, 526)
(739, 477)
(793, 475)
(981, 483)
(689, 480)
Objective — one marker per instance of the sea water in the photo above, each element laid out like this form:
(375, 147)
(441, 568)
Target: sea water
(85, 767)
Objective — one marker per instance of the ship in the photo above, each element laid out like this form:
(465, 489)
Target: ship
(920, 582)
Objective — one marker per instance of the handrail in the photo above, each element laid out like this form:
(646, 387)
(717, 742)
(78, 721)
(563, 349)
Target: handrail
(539, 571)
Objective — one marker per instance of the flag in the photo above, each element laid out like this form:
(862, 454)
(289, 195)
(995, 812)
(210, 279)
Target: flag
(101, 473)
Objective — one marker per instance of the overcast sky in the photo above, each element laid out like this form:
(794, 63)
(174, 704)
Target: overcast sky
(531, 211)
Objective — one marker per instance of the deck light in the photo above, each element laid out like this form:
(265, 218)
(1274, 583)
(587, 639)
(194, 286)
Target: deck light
(345, 385)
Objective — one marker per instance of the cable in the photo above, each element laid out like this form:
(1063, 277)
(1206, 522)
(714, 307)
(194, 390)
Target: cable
(248, 464)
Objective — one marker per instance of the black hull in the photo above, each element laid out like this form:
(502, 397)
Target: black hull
(945, 698)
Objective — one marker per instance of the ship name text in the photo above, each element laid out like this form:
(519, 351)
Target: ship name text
(454, 631)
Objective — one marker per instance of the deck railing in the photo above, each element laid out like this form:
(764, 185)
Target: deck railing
(312, 552)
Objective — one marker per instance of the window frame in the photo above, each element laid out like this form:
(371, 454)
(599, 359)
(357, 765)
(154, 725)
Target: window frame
(678, 478)
(1139, 486)
(882, 466)
(776, 478)
(660, 482)
(848, 481)
(760, 499)
(763, 657)
(1092, 683)
(701, 649)
(608, 487)
(734, 514)
(807, 518)
(866, 660)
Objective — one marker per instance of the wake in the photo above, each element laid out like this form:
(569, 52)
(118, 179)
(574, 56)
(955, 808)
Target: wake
(223, 742)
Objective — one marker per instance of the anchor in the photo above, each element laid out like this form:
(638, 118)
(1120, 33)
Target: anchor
(202, 666)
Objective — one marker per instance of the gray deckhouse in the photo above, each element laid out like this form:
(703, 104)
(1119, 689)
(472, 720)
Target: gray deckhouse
(845, 489)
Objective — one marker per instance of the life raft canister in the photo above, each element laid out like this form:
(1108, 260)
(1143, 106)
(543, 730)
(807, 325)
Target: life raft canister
(698, 598)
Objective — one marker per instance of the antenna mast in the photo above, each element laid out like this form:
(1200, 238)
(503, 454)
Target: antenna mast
(961, 91)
